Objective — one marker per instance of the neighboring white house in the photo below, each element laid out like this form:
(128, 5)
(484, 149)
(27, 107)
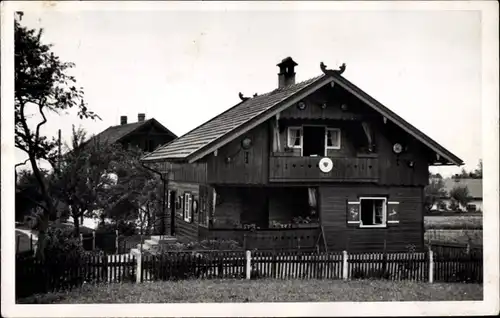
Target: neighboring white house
(475, 187)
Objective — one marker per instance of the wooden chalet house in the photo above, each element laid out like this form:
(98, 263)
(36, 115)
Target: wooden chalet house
(145, 134)
(315, 163)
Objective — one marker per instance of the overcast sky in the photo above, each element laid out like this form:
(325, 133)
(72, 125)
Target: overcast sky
(185, 67)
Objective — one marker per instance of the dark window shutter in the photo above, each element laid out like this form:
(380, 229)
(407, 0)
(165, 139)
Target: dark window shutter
(353, 213)
(392, 212)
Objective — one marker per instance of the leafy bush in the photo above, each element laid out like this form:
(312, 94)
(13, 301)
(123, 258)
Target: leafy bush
(205, 245)
(125, 228)
(62, 244)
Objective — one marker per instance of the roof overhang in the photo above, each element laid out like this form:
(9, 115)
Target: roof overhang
(403, 124)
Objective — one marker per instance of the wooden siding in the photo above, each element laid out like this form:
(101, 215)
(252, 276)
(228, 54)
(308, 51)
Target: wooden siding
(333, 98)
(339, 236)
(230, 166)
(295, 169)
(185, 172)
(187, 231)
(395, 169)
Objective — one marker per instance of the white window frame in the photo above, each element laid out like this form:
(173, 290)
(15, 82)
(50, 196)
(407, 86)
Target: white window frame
(288, 137)
(188, 211)
(326, 139)
(384, 213)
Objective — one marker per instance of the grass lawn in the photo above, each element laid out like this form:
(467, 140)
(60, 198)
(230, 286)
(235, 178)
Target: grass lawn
(262, 291)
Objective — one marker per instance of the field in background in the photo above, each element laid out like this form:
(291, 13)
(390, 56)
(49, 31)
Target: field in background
(459, 222)
(461, 229)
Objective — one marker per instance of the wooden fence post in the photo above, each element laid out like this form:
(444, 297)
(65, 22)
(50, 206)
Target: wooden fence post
(93, 240)
(345, 269)
(431, 266)
(138, 267)
(116, 241)
(248, 266)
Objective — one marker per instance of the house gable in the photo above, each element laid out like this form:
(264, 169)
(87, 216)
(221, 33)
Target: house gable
(252, 112)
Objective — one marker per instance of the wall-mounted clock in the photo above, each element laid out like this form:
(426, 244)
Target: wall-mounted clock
(301, 105)
(397, 148)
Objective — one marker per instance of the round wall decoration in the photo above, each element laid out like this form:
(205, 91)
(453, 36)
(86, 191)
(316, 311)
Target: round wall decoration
(397, 148)
(325, 165)
(246, 143)
(301, 105)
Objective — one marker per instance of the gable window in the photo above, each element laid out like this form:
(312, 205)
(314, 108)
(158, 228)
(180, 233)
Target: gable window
(373, 212)
(150, 145)
(332, 136)
(294, 137)
(188, 212)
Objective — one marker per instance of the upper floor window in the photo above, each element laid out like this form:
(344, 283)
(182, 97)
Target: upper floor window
(332, 138)
(313, 140)
(294, 137)
(150, 145)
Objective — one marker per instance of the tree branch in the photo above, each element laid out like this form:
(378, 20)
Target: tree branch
(40, 124)
(21, 163)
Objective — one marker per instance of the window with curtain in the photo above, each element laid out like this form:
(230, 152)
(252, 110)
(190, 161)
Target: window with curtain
(332, 138)
(294, 137)
(188, 211)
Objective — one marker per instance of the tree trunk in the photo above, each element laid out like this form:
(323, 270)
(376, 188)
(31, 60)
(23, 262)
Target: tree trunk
(47, 211)
(75, 213)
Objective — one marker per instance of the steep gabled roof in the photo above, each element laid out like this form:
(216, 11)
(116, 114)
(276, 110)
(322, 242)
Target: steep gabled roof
(115, 133)
(246, 115)
(230, 120)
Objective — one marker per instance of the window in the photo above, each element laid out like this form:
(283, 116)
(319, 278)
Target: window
(313, 140)
(332, 136)
(150, 145)
(373, 212)
(188, 212)
(294, 137)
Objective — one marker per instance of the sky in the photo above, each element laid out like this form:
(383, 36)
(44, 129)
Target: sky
(185, 67)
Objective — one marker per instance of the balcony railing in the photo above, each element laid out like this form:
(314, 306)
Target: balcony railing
(296, 169)
(268, 239)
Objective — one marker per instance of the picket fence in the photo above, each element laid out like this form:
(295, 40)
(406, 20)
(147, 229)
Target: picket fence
(35, 277)
(52, 275)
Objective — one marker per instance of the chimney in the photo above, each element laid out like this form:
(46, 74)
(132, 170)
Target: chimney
(141, 117)
(123, 120)
(286, 76)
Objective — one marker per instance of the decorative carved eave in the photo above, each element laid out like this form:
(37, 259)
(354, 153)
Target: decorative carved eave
(330, 72)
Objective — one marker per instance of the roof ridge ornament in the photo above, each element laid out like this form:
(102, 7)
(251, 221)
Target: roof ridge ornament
(243, 98)
(330, 72)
